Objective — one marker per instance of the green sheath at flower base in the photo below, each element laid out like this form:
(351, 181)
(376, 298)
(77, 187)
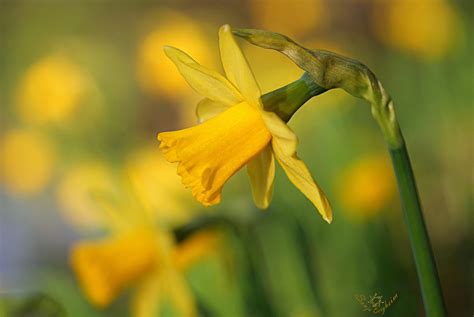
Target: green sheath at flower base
(286, 100)
(330, 70)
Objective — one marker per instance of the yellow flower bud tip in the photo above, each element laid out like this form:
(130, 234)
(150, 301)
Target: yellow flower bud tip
(225, 28)
(328, 218)
(102, 269)
(237, 131)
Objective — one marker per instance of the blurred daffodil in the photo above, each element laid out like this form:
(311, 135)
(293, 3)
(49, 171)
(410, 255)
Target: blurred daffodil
(155, 72)
(27, 159)
(237, 131)
(426, 28)
(367, 186)
(106, 267)
(138, 255)
(50, 90)
(158, 187)
(75, 193)
(149, 261)
(279, 15)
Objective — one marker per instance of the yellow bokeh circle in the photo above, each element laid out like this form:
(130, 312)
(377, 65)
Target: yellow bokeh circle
(50, 90)
(156, 73)
(27, 160)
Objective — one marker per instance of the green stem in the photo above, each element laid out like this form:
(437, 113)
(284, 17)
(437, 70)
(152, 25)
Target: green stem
(286, 100)
(419, 240)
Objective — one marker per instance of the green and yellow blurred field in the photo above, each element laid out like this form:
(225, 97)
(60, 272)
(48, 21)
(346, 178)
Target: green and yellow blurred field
(84, 89)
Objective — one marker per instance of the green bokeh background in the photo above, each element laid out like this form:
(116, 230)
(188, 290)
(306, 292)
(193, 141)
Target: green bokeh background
(284, 261)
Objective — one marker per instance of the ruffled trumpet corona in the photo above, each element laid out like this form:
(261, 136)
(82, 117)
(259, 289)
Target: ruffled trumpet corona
(235, 130)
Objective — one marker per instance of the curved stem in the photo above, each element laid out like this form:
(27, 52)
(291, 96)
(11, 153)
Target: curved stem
(419, 240)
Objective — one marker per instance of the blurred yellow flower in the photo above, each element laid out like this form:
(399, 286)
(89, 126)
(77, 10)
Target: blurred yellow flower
(155, 72)
(192, 250)
(139, 251)
(294, 18)
(104, 268)
(167, 281)
(157, 187)
(367, 186)
(27, 159)
(50, 90)
(142, 257)
(427, 28)
(77, 193)
(237, 132)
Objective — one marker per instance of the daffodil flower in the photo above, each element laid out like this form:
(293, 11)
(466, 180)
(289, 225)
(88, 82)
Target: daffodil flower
(140, 254)
(235, 131)
(145, 259)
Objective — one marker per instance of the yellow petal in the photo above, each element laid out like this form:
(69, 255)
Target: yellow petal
(287, 139)
(261, 171)
(210, 153)
(195, 248)
(300, 176)
(180, 294)
(147, 299)
(103, 271)
(236, 67)
(206, 82)
(207, 109)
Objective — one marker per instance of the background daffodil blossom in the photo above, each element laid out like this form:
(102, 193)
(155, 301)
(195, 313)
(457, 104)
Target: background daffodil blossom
(140, 255)
(237, 131)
